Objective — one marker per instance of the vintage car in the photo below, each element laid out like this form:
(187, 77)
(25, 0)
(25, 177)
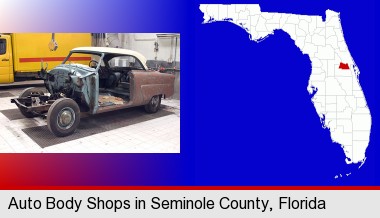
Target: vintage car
(114, 79)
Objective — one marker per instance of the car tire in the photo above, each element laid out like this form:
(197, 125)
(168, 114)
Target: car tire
(63, 117)
(25, 93)
(154, 104)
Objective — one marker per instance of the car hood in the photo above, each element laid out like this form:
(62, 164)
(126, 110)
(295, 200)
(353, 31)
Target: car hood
(79, 70)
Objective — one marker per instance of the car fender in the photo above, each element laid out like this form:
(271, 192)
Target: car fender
(146, 84)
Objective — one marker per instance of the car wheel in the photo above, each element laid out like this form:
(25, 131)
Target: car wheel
(25, 93)
(63, 117)
(154, 104)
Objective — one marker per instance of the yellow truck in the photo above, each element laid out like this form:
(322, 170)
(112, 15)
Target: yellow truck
(21, 54)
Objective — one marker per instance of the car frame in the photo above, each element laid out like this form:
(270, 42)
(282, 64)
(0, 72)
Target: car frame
(97, 88)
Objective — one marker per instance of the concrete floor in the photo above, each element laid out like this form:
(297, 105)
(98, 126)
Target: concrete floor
(154, 135)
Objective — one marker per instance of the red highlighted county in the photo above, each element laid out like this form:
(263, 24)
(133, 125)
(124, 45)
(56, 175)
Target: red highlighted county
(343, 66)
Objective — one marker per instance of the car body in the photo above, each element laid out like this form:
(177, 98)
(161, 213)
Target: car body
(114, 79)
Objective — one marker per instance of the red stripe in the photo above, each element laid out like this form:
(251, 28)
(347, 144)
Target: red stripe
(47, 59)
(190, 188)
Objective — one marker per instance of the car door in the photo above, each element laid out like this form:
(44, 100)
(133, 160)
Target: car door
(5, 60)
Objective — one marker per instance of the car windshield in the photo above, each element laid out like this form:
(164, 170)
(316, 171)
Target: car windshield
(89, 59)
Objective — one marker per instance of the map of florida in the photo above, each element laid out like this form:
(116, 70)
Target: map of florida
(334, 80)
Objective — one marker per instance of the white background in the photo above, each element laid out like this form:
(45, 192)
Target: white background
(338, 203)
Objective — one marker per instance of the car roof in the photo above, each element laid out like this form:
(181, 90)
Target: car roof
(113, 51)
